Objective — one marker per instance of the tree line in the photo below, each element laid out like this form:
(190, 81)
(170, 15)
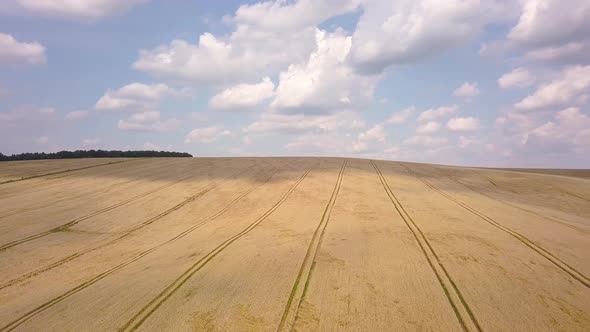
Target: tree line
(93, 154)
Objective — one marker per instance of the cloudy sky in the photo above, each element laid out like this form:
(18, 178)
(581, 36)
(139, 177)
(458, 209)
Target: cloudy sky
(468, 82)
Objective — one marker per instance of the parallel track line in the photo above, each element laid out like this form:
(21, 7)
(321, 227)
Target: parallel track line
(151, 220)
(14, 324)
(137, 320)
(450, 292)
(574, 273)
(61, 172)
(290, 313)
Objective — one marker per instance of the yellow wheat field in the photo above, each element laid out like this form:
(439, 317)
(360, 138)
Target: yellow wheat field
(305, 244)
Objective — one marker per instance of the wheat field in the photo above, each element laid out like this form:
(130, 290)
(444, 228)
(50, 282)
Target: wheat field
(304, 244)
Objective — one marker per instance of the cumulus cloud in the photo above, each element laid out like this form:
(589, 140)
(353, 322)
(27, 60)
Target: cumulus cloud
(467, 90)
(325, 82)
(401, 116)
(553, 30)
(135, 97)
(76, 10)
(299, 123)
(267, 37)
(148, 121)
(22, 117)
(428, 128)
(435, 113)
(77, 115)
(571, 87)
(13, 51)
(426, 141)
(517, 78)
(375, 133)
(463, 124)
(465, 142)
(206, 134)
(409, 31)
(551, 22)
(569, 129)
(242, 96)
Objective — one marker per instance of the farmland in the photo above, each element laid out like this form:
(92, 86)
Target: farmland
(267, 244)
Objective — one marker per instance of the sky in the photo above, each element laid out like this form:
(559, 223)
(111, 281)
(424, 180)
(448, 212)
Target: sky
(498, 83)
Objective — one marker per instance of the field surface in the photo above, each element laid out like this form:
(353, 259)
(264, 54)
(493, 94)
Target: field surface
(304, 244)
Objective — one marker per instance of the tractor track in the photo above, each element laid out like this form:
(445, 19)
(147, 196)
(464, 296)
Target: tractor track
(137, 320)
(149, 221)
(17, 322)
(450, 292)
(575, 274)
(290, 312)
(549, 218)
(61, 172)
(91, 215)
(99, 191)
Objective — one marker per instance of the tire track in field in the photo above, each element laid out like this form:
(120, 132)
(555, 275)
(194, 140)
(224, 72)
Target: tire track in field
(577, 275)
(549, 218)
(14, 324)
(90, 215)
(137, 320)
(149, 221)
(61, 172)
(290, 312)
(452, 292)
(48, 183)
(102, 190)
(572, 194)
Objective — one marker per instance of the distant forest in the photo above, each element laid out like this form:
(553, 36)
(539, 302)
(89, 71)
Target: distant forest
(92, 154)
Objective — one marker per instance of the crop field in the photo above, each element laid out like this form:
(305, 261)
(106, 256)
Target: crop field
(276, 244)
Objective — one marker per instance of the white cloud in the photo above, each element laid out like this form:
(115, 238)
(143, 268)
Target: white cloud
(574, 52)
(206, 134)
(435, 113)
(290, 15)
(76, 115)
(426, 141)
(266, 38)
(325, 82)
(148, 121)
(428, 128)
(570, 128)
(412, 30)
(77, 10)
(357, 147)
(90, 142)
(13, 51)
(375, 133)
(465, 142)
(242, 96)
(551, 22)
(401, 116)
(467, 90)
(463, 124)
(135, 97)
(298, 123)
(517, 78)
(570, 88)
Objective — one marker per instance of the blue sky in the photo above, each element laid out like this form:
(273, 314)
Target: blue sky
(470, 82)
